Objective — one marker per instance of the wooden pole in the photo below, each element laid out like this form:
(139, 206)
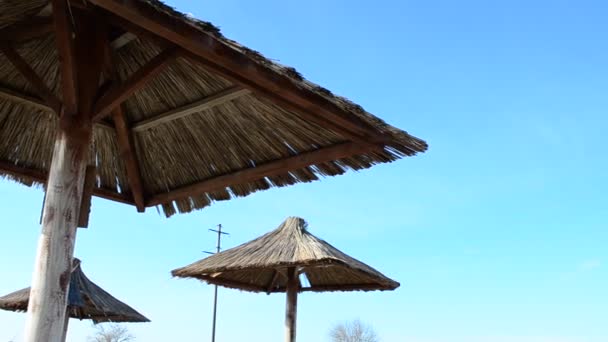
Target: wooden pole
(292, 305)
(53, 267)
(81, 65)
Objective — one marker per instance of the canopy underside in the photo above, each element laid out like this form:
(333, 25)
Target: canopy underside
(192, 133)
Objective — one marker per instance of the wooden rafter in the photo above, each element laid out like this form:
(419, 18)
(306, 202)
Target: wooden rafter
(195, 107)
(34, 102)
(122, 40)
(30, 28)
(128, 155)
(118, 93)
(41, 177)
(125, 138)
(232, 65)
(273, 168)
(32, 77)
(17, 97)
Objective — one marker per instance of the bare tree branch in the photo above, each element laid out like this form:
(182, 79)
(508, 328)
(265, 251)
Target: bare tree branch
(111, 333)
(354, 331)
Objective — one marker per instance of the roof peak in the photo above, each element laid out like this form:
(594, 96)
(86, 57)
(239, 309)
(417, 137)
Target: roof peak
(294, 223)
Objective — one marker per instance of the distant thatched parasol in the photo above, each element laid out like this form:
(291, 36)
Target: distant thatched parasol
(86, 300)
(279, 261)
(137, 103)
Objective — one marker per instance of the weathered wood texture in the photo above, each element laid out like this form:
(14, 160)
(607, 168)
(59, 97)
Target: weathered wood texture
(51, 278)
(291, 305)
(80, 74)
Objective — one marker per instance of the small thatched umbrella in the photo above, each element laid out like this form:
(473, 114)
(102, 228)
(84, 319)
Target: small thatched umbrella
(86, 300)
(277, 261)
(137, 103)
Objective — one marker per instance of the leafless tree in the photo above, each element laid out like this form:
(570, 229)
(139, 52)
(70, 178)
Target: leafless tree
(354, 331)
(111, 333)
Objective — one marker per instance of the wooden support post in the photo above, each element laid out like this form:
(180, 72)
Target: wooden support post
(292, 305)
(53, 267)
(46, 312)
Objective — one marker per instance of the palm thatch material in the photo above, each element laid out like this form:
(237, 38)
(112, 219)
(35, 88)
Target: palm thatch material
(283, 261)
(177, 142)
(261, 264)
(86, 300)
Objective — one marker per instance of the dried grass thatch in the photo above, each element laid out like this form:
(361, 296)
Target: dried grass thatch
(260, 265)
(239, 134)
(85, 301)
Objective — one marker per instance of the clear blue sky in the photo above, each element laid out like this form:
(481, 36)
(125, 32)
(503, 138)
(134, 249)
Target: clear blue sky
(497, 234)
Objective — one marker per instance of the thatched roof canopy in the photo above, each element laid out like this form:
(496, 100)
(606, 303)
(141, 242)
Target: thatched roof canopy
(260, 265)
(183, 116)
(86, 300)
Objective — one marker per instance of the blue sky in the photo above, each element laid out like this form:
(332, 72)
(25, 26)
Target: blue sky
(497, 233)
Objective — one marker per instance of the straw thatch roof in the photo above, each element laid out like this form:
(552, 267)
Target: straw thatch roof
(260, 265)
(85, 301)
(214, 121)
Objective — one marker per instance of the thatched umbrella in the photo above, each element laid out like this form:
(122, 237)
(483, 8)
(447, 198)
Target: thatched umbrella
(86, 300)
(279, 260)
(137, 103)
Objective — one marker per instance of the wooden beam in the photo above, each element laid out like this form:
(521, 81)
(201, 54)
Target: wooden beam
(118, 93)
(31, 101)
(239, 68)
(128, 155)
(41, 177)
(87, 192)
(89, 49)
(30, 28)
(37, 103)
(195, 107)
(64, 39)
(272, 168)
(30, 75)
(122, 40)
